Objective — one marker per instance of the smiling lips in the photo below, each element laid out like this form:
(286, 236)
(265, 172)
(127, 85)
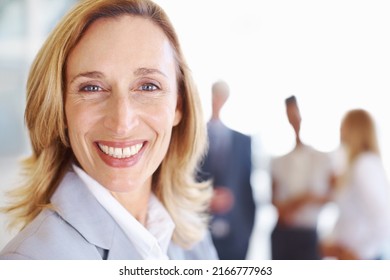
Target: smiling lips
(120, 153)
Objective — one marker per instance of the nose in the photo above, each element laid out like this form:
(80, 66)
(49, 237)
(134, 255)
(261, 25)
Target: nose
(121, 115)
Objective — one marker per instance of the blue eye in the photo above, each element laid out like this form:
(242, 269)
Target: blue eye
(91, 88)
(149, 87)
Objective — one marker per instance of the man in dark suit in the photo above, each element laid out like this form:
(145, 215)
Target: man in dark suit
(229, 165)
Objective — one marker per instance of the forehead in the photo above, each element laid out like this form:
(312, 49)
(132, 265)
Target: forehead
(122, 38)
(126, 24)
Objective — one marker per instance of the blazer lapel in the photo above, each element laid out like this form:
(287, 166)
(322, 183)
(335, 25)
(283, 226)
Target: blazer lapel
(78, 207)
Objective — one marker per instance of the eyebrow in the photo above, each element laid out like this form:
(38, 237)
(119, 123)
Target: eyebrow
(92, 74)
(145, 71)
(138, 72)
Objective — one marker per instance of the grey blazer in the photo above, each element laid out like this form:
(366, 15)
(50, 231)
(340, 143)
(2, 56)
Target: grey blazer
(80, 228)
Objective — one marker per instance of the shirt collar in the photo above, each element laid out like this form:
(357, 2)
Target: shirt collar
(151, 241)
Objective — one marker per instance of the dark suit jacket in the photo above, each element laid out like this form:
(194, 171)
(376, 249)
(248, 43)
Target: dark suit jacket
(233, 170)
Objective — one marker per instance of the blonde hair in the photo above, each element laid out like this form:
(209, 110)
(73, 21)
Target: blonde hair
(174, 181)
(358, 134)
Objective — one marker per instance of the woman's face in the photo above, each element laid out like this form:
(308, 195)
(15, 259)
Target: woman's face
(121, 101)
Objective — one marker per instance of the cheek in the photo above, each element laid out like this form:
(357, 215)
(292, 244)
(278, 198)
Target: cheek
(166, 118)
(74, 118)
(79, 110)
(80, 120)
(75, 131)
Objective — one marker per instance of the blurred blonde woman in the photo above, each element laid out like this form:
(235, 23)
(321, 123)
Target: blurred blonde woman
(117, 131)
(363, 226)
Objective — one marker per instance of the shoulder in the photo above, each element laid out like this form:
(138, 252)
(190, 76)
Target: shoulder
(277, 161)
(46, 234)
(368, 167)
(368, 170)
(367, 161)
(203, 250)
(368, 157)
(245, 139)
(320, 157)
(240, 134)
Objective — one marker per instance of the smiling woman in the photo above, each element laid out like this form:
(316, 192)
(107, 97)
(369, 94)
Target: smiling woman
(116, 128)
(124, 105)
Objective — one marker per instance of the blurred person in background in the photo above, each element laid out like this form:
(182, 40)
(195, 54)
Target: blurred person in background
(363, 193)
(229, 165)
(117, 131)
(301, 185)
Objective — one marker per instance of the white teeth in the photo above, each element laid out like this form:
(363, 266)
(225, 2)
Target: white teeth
(117, 153)
(121, 152)
(133, 150)
(126, 152)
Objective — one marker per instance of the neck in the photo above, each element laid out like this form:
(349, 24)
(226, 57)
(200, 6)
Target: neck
(215, 116)
(136, 204)
(298, 141)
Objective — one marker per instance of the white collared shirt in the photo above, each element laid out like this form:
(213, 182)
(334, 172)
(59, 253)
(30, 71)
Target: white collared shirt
(302, 170)
(363, 224)
(151, 241)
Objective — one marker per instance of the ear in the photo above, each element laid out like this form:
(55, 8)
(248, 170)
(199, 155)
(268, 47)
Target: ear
(179, 111)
